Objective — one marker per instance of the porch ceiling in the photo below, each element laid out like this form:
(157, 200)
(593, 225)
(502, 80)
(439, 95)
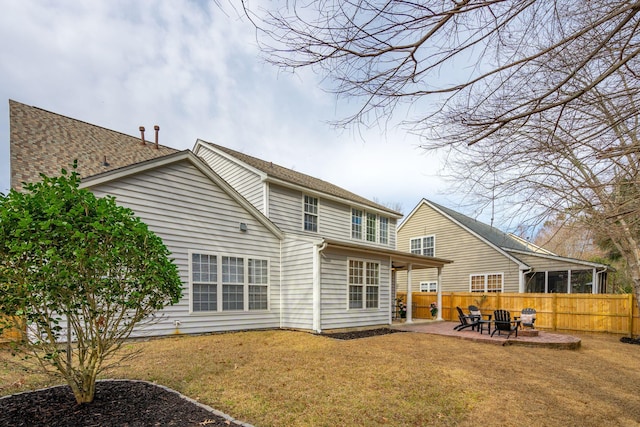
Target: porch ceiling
(400, 260)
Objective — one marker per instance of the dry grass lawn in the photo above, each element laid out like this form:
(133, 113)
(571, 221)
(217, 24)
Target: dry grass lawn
(287, 378)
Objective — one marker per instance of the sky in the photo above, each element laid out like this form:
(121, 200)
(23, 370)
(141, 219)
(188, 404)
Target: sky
(195, 70)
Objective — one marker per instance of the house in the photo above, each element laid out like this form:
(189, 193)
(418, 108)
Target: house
(257, 245)
(487, 259)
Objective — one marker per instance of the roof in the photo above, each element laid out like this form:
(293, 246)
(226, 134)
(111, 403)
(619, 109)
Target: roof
(276, 172)
(178, 156)
(510, 245)
(45, 142)
(400, 260)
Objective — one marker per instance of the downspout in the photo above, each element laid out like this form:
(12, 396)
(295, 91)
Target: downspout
(281, 308)
(317, 293)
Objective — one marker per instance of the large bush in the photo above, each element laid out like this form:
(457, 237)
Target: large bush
(80, 272)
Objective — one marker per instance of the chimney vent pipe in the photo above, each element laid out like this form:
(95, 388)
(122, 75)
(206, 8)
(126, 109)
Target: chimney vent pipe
(157, 129)
(142, 135)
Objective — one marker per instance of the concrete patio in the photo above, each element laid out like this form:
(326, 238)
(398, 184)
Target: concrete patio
(544, 339)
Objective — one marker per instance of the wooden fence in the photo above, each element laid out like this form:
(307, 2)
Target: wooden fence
(617, 314)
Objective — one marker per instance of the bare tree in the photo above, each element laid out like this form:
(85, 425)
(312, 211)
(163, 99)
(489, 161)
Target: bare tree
(536, 100)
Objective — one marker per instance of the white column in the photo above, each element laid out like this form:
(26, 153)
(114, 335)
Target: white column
(595, 281)
(569, 281)
(409, 296)
(439, 297)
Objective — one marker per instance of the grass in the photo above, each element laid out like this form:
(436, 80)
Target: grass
(287, 378)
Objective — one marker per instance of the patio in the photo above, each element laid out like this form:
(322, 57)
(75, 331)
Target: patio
(544, 339)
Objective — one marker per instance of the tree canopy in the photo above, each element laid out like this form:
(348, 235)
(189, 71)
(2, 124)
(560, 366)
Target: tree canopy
(536, 102)
(78, 269)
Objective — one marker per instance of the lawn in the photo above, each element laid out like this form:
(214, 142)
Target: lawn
(287, 378)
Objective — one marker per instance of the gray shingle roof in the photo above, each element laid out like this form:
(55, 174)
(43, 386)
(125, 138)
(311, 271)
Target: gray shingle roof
(492, 234)
(45, 142)
(288, 175)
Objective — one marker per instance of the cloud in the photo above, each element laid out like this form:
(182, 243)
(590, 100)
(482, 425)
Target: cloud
(195, 70)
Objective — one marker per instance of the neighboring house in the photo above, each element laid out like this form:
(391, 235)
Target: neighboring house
(487, 259)
(257, 245)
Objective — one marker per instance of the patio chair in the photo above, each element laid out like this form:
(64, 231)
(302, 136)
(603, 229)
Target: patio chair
(528, 317)
(502, 323)
(466, 321)
(482, 319)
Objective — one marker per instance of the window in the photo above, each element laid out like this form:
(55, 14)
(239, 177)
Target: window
(384, 230)
(232, 283)
(364, 284)
(204, 279)
(356, 223)
(244, 283)
(310, 214)
(425, 245)
(486, 282)
(373, 284)
(428, 286)
(371, 227)
(258, 279)
(355, 284)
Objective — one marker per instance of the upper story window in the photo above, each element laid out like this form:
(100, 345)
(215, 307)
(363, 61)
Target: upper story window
(311, 213)
(372, 225)
(486, 282)
(425, 245)
(369, 226)
(356, 223)
(384, 230)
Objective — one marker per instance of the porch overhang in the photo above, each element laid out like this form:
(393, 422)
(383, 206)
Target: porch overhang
(399, 260)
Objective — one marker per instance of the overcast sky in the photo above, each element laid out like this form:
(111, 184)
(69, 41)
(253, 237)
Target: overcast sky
(197, 73)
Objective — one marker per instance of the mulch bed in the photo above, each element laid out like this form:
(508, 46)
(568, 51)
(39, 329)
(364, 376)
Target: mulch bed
(628, 340)
(116, 403)
(360, 334)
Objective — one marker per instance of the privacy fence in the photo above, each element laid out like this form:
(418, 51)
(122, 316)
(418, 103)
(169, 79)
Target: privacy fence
(616, 314)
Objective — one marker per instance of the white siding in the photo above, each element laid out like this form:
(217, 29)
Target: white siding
(334, 277)
(334, 218)
(245, 181)
(188, 211)
(469, 254)
(297, 284)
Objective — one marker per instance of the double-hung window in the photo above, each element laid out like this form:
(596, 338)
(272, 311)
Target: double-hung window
(356, 223)
(425, 245)
(364, 284)
(428, 286)
(232, 283)
(228, 283)
(310, 214)
(491, 282)
(258, 280)
(372, 222)
(384, 230)
(204, 282)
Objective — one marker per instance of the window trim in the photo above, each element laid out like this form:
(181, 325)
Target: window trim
(429, 283)
(364, 285)
(486, 282)
(360, 229)
(219, 283)
(311, 214)
(422, 247)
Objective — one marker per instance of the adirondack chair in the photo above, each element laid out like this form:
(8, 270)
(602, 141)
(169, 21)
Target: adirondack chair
(466, 321)
(502, 323)
(482, 319)
(528, 317)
